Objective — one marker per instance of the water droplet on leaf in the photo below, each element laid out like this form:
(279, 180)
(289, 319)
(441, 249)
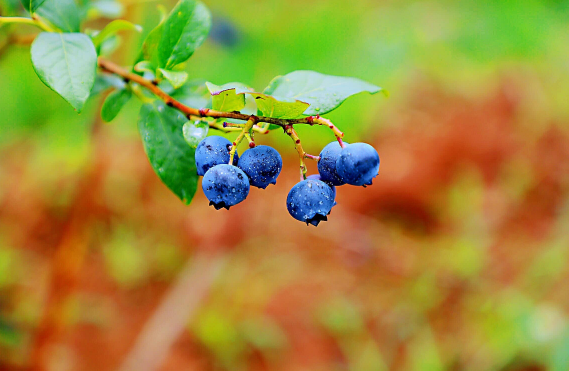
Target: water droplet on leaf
(194, 132)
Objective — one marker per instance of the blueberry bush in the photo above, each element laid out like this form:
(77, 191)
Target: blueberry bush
(70, 60)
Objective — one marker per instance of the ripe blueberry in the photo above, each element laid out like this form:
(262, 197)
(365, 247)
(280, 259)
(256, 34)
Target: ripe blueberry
(319, 177)
(310, 201)
(211, 151)
(225, 186)
(327, 164)
(262, 164)
(358, 164)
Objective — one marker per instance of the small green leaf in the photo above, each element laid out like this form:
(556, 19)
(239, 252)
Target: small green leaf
(170, 156)
(176, 78)
(194, 132)
(149, 51)
(66, 63)
(114, 103)
(144, 66)
(32, 5)
(113, 28)
(150, 47)
(185, 29)
(324, 93)
(62, 14)
(279, 109)
(228, 97)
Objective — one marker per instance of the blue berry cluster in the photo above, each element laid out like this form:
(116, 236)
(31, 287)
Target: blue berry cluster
(309, 201)
(227, 185)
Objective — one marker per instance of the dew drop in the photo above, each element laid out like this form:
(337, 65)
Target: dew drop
(195, 132)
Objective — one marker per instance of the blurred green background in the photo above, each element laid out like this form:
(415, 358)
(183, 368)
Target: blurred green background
(455, 259)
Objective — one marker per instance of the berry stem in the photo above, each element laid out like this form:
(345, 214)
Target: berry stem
(244, 131)
(312, 157)
(113, 68)
(251, 140)
(232, 125)
(289, 130)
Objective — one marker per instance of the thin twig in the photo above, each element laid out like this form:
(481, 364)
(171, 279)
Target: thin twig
(289, 130)
(205, 112)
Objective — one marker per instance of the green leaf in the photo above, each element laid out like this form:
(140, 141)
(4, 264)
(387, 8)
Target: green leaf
(113, 28)
(62, 14)
(144, 66)
(185, 29)
(149, 51)
(66, 63)
(194, 132)
(176, 78)
(228, 97)
(279, 109)
(150, 46)
(32, 5)
(170, 156)
(324, 93)
(114, 103)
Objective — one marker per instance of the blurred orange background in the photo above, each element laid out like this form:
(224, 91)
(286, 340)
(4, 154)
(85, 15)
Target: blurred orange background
(455, 259)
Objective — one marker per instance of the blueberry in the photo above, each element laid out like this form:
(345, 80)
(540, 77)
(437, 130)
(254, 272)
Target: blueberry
(358, 164)
(327, 164)
(225, 186)
(262, 164)
(319, 177)
(224, 32)
(211, 151)
(310, 201)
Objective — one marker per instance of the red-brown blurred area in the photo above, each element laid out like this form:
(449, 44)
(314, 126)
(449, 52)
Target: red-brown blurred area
(455, 259)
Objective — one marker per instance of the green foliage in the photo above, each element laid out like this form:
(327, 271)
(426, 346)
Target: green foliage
(67, 64)
(228, 97)
(32, 5)
(62, 14)
(170, 156)
(324, 93)
(66, 61)
(113, 28)
(114, 103)
(277, 108)
(185, 29)
(176, 78)
(149, 52)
